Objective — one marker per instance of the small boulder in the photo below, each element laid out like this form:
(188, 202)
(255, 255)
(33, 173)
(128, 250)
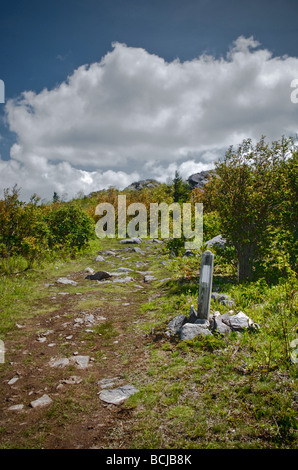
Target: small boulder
(188, 253)
(191, 330)
(223, 299)
(45, 400)
(149, 278)
(136, 249)
(64, 280)
(98, 276)
(238, 322)
(99, 258)
(117, 395)
(177, 323)
(137, 240)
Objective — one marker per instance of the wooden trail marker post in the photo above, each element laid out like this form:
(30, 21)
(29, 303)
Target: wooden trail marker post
(205, 285)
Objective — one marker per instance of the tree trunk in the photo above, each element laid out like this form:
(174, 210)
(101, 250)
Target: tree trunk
(245, 262)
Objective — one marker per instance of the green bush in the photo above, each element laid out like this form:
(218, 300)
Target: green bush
(69, 226)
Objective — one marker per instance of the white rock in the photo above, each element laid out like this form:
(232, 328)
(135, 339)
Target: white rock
(45, 400)
(64, 280)
(81, 362)
(60, 362)
(117, 395)
(13, 380)
(16, 407)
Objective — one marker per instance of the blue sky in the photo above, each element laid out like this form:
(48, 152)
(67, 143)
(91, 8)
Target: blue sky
(136, 109)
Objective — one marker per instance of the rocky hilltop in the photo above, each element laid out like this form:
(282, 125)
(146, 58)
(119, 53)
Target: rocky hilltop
(198, 180)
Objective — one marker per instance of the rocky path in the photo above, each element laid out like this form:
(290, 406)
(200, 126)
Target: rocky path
(61, 365)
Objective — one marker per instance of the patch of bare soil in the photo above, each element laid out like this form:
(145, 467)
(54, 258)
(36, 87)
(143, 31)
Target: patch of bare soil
(107, 338)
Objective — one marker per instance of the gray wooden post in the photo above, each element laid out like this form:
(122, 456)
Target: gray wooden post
(205, 285)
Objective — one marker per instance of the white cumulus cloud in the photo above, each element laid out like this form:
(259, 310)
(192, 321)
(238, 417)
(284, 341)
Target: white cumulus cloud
(132, 115)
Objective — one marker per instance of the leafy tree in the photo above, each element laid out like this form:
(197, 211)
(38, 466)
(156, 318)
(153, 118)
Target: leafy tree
(70, 227)
(23, 230)
(247, 190)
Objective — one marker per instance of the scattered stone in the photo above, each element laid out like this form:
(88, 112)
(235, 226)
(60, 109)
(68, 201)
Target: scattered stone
(41, 339)
(155, 240)
(123, 279)
(99, 258)
(64, 280)
(110, 252)
(137, 240)
(149, 278)
(99, 276)
(73, 380)
(81, 362)
(117, 395)
(105, 383)
(124, 269)
(191, 330)
(218, 325)
(16, 407)
(45, 400)
(176, 324)
(60, 362)
(90, 270)
(136, 249)
(223, 299)
(238, 322)
(13, 380)
(188, 253)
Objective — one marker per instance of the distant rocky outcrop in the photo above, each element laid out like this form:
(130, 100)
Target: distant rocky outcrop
(148, 183)
(198, 180)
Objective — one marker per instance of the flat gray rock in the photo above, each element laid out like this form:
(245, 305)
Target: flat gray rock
(117, 395)
(81, 362)
(131, 240)
(238, 322)
(191, 330)
(16, 407)
(99, 258)
(45, 400)
(136, 249)
(105, 383)
(90, 270)
(59, 362)
(123, 279)
(64, 280)
(149, 278)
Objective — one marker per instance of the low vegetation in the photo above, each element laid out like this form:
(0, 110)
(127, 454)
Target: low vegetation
(237, 391)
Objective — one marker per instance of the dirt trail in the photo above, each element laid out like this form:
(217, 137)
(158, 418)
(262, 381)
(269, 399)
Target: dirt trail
(98, 319)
